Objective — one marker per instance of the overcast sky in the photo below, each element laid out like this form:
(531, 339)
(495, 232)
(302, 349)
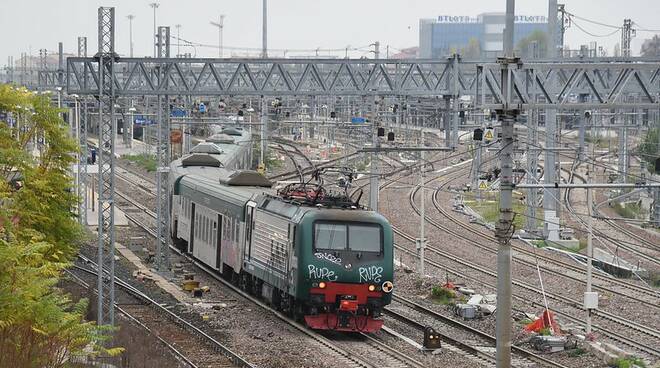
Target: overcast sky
(292, 24)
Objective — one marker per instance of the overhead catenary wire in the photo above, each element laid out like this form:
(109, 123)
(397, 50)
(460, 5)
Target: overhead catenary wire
(257, 49)
(593, 34)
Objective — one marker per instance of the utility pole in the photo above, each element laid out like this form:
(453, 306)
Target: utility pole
(623, 153)
(154, 36)
(504, 227)
(163, 160)
(421, 242)
(532, 161)
(374, 175)
(264, 132)
(130, 32)
(627, 33)
(220, 26)
(60, 65)
(562, 27)
(178, 39)
(376, 51)
(82, 164)
(550, 195)
(453, 143)
(589, 296)
(264, 30)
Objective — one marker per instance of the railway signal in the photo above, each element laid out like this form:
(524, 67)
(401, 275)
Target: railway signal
(431, 339)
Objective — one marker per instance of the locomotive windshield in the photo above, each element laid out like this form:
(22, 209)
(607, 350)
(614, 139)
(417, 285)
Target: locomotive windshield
(358, 237)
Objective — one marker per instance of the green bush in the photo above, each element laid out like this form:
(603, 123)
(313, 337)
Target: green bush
(631, 210)
(628, 362)
(545, 331)
(576, 352)
(144, 160)
(443, 295)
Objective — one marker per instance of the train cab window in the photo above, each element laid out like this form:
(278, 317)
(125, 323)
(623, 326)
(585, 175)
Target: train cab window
(330, 236)
(357, 237)
(364, 238)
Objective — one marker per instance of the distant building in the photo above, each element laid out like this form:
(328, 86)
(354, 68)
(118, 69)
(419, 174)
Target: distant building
(439, 38)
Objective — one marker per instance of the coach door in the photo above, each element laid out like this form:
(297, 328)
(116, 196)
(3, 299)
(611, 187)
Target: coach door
(217, 227)
(193, 228)
(249, 224)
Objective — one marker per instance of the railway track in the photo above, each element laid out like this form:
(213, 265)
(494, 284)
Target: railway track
(345, 353)
(618, 243)
(643, 333)
(481, 346)
(182, 346)
(637, 292)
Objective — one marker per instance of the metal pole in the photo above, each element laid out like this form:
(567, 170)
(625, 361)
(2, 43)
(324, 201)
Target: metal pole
(503, 230)
(264, 133)
(60, 65)
(76, 119)
(590, 251)
(178, 39)
(163, 157)
(154, 36)
(106, 166)
(222, 25)
(455, 96)
(130, 32)
(550, 195)
(532, 154)
(264, 30)
(374, 179)
(422, 217)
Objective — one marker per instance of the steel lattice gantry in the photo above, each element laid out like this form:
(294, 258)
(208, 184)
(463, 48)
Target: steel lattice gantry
(272, 77)
(607, 81)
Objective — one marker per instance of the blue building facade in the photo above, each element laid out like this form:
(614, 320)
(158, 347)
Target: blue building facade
(439, 38)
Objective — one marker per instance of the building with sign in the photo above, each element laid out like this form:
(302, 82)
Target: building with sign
(473, 37)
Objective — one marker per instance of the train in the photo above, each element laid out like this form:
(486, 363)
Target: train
(309, 251)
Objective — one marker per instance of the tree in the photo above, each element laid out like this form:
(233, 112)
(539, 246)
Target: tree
(472, 50)
(537, 40)
(39, 237)
(651, 47)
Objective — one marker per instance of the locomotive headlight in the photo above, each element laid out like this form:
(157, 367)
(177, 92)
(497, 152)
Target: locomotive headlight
(372, 287)
(321, 285)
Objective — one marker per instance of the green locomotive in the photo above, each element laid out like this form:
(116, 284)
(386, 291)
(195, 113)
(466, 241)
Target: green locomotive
(316, 255)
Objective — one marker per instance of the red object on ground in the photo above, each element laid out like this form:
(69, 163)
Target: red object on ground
(449, 285)
(328, 321)
(547, 319)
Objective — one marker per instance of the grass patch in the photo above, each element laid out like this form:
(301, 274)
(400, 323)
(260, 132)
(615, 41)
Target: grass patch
(144, 160)
(539, 243)
(545, 331)
(272, 162)
(576, 352)
(628, 363)
(443, 295)
(601, 142)
(488, 208)
(630, 210)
